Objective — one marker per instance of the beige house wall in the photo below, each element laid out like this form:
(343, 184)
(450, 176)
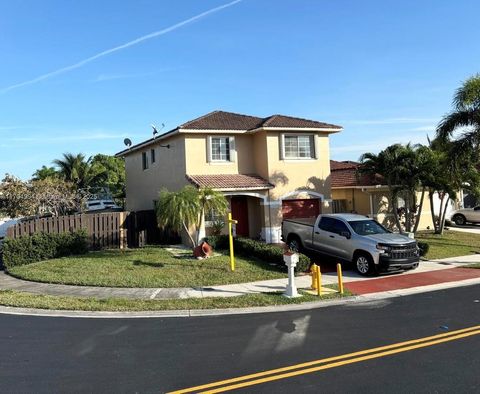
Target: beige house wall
(382, 212)
(143, 186)
(197, 162)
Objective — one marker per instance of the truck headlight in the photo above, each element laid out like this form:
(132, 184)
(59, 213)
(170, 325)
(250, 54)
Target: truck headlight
(384, 248)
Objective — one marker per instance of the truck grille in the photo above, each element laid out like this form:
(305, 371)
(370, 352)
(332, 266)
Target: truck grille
(404, 251)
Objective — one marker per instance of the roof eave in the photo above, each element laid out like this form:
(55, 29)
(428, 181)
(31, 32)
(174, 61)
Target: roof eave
(320, 129)
(146, 143)
(211, 131)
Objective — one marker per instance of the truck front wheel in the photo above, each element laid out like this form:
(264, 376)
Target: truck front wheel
(364, 264)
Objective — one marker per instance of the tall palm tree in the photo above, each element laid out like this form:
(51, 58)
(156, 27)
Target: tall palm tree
(465, 115)
(80, 171)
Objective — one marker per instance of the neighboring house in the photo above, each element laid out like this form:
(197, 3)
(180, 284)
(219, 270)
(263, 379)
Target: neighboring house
(367, 195)
(268, 168)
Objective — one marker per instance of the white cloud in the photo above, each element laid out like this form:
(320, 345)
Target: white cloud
(118, 48)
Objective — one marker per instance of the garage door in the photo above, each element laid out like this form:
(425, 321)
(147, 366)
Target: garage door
(302, 208)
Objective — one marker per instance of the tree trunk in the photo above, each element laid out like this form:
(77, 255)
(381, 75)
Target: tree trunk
(439, 229)
(442, 218)
(419, 214)
(189, 236)
(394, 209)
(406, 197)
(432, 210)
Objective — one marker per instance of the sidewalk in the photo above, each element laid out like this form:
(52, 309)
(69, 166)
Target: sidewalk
(427, 274)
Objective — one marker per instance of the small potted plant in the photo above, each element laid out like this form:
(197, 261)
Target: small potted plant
(290, 257)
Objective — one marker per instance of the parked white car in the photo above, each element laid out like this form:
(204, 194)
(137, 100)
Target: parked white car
(5, 224)
(466, 215)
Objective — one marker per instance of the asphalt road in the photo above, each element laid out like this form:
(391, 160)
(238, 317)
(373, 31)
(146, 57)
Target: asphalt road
(40, 354)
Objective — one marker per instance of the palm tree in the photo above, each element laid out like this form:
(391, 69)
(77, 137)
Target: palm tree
(465, 115)
(210, 201)
(186, 208)
(79, 171)
(385, 164)
(402, 167)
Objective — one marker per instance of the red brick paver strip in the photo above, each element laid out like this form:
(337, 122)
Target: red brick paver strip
(397, 282)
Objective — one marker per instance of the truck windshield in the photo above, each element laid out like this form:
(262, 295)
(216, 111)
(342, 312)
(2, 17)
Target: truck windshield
(367, 227)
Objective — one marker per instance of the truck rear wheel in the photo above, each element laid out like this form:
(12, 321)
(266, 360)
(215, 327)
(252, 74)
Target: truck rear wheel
(364, 264)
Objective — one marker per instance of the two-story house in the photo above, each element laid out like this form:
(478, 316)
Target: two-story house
(269, 168)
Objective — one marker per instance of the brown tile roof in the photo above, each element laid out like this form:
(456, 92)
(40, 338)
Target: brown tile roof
(289, 121)
(230, 182)
(344, 174)
(221, 120)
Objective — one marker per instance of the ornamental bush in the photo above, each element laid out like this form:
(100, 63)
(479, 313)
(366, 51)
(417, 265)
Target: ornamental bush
(424, 247)
(43, 246)
(248, 247)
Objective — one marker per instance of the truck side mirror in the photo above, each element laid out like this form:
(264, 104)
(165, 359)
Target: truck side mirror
(346, 234)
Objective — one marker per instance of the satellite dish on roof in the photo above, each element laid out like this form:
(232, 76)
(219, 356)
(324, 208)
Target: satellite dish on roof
(127, 142)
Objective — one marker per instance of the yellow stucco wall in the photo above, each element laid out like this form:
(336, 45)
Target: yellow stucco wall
(143, 186)
(359, 201)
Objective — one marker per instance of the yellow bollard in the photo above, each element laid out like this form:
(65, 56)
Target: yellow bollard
(340, 278)
(319, 281)
(230, 240)
(313, 272)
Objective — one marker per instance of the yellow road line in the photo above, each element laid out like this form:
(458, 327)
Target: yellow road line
(338, 364)
(323, 361)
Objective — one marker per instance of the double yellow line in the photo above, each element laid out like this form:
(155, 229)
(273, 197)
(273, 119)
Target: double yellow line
(330, 362)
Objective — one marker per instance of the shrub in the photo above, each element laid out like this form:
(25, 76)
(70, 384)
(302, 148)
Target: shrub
(217, 241)
(424, 247)
(264, 252)
(42, 246)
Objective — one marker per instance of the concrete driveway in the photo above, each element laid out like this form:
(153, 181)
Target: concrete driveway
(469, 228)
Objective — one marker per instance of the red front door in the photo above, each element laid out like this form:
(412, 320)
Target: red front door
(239, 208)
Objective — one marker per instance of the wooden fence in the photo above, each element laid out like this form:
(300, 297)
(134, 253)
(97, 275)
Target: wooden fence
(105, 230)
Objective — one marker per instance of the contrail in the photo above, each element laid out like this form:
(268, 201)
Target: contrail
(119, 48)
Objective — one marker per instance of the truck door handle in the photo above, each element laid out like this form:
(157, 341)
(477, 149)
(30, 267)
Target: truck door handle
(317, 232)
(332, 236)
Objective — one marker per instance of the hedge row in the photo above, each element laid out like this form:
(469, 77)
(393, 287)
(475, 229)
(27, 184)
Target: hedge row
(262, 251)
(42, 246)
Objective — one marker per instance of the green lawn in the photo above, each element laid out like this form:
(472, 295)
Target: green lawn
(146, 267)
(27, 300)
(450, 244)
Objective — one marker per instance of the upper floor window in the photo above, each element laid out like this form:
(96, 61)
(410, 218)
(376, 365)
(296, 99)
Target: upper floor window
(220, 148)
(144, 161)
(152, 155)
(299, 147)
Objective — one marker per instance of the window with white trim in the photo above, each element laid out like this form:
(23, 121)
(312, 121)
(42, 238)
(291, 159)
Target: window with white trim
(299, 147)
(220, 148)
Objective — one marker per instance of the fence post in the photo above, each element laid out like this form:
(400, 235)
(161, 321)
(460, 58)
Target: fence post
(123, 231)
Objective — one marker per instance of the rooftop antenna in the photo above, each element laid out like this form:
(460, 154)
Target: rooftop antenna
(155, 133)
(155, 130)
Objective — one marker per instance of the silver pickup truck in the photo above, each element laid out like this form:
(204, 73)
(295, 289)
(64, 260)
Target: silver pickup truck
(353, 238)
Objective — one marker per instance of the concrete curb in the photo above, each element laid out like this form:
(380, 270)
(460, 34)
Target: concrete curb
(349, 301)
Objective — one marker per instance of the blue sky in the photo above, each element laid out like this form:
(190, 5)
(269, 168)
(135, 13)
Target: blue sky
(385, 70)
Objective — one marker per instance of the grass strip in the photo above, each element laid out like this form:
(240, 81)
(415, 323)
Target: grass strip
(13, 298)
